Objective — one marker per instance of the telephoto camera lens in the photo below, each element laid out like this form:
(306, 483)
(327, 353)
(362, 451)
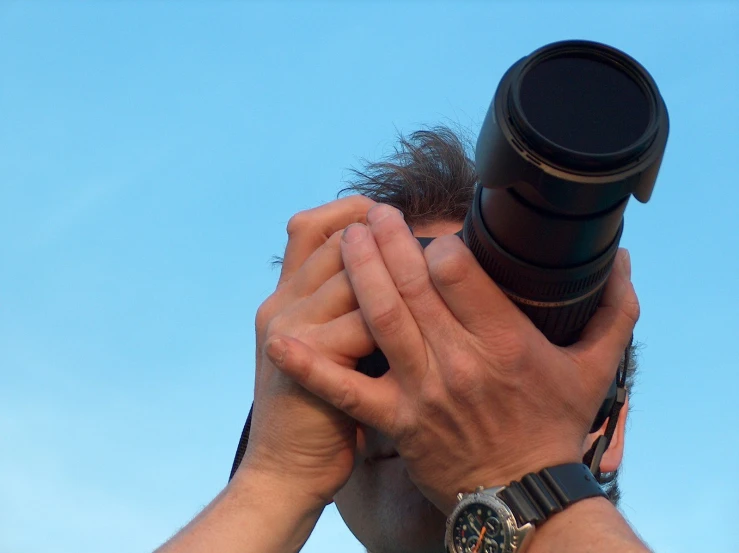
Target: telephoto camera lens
(572, 132)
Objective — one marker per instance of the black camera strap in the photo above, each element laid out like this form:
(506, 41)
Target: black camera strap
(595, 454)
(243, 442)
(374, 365)
(592, 458)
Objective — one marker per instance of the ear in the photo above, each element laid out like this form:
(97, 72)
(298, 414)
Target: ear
(614, 454)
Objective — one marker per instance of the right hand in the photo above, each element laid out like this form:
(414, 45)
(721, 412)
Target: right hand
(471, 375)
(297, 438)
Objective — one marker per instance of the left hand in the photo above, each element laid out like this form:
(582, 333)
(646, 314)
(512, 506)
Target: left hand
(476, 395)
(298, 440)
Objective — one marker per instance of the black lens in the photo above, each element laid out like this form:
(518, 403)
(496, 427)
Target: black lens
(584, 105)
(573, 131)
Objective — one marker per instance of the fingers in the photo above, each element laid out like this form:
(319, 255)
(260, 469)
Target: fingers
(309, 229)
(371, 401)
(607, 334)
(347, 338)
(334, 298)
(387, 316)
(405, 262)
(320, 266)
(471, 295)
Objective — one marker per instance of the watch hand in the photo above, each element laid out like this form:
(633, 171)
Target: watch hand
(479, 540)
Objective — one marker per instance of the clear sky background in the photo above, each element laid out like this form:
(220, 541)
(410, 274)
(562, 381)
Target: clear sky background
(151, 154)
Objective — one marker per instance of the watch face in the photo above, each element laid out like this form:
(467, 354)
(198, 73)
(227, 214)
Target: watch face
(478, 528)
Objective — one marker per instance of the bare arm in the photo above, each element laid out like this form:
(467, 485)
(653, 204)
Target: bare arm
(477, 396)
(301, 449)
(253, 513)
(588, 526)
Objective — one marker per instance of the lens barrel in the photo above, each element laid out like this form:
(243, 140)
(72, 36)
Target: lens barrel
(572, 132)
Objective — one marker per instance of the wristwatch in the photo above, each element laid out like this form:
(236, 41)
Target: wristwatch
(502, 519)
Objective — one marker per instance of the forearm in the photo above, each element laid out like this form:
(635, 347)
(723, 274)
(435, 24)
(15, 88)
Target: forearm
(251, 514)
(588, 526)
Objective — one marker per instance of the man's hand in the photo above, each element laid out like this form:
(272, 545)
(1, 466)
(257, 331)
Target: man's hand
(296, 438)
(476, 395)
(301, 449)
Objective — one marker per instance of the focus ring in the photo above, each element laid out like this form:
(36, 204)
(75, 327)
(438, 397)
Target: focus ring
(558, 301)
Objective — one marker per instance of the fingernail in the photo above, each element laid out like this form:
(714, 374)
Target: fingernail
(354, 233)
(276, 351)
(626, 261)
(380, 212)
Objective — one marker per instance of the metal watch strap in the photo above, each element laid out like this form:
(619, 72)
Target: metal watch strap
(540, 495)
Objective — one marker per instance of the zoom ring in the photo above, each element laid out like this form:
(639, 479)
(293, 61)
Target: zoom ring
(562, 325)
(558, 301)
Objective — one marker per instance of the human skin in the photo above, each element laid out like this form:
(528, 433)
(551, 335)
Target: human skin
(290, 475)
(475, 395)
(301, 449)
(381, 505)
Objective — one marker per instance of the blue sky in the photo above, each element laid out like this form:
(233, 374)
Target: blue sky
(150, 157)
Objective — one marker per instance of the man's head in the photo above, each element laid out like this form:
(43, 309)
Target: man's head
(431, 179)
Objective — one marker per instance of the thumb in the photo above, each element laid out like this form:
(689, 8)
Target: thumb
(607, 334)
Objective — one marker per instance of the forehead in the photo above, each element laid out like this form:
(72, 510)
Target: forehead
(437, 228)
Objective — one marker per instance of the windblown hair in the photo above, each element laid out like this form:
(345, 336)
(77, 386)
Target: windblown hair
(430, 177)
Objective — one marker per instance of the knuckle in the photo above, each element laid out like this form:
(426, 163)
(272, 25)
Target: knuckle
(510, 349)
(433, 398)
(447, 266)
(463, 381)
(414, 286)
(359, 205)
(386, 319)
(359, 260)
(386, 231)
(298, 223)
(275, 326)
(265, 313)
(631, 307)
(319, 219)
(281, 325)
(360, 202)
(347, 399)
(404, 427)
(335, 237)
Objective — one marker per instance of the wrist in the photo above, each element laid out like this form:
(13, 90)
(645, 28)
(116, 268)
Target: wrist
(264, 490)
(503, 473)
(266, 501)
(235, 521)
(577, 528)
(559, 508)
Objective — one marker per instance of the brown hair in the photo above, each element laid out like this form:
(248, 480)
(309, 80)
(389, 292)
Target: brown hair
(430, 177)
